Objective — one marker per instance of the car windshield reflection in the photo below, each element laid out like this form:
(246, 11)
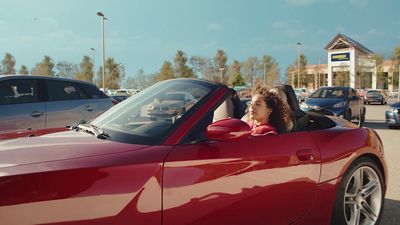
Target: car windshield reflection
(148, 116)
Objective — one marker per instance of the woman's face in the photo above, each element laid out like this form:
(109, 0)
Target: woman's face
(258, 109)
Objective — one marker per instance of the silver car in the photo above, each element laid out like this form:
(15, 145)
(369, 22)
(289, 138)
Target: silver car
(35, 105)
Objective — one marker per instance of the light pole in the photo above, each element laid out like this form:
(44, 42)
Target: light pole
(222, 71)
(94, 63)
(102, 40)
(265, 73)
(298, 64)
(319, 64)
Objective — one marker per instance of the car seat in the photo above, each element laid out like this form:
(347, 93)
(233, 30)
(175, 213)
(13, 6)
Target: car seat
(301, 120)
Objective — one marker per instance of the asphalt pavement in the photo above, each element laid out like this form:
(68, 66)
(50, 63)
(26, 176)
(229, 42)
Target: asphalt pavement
(375, 118)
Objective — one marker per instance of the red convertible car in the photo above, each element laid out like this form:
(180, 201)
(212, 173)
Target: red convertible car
(199, 167)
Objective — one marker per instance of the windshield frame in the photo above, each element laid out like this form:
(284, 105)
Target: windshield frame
(123, 137)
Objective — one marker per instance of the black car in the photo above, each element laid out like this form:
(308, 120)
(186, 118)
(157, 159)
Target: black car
(375, 96)
(338, 101)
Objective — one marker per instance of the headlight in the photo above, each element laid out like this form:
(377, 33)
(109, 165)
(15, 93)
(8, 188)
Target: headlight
(394, 110)
(339, 105)
(304, 105)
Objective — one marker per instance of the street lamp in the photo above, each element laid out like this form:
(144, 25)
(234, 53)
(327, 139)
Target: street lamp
(265, 73)
(222, 71)
(94, 64)
(102, 38)
(298, 64)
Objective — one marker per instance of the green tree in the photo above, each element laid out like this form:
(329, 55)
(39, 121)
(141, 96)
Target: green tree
(66, 69)
(236, 78)
(291, 75)
(396, 64)
(303, 77)
(86, 70)
(166, 72)
(23, 70)
(220, 60)
(114, 74)
(252, 64)
(270, 69)
(182, 70)
(8, 63)
(44, 68)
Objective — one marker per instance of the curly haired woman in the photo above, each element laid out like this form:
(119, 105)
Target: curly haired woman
(269, 114)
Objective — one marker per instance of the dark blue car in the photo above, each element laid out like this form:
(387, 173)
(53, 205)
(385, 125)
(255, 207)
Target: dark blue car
(338, 101)
(392, 115)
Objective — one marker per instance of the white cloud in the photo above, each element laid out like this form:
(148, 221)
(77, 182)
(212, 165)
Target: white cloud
(291, 28)
(359, 3)
(214, 27)
(300, 2)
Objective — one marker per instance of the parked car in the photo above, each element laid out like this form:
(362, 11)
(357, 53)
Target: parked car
(375, 96)
(119, 98)
(338, 101)
(34, 105)
(126, 167)
(302, 93)
(393, 115)
(171, 104)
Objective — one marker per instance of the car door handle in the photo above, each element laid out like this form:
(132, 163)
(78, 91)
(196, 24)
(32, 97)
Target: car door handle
(305, 155)
(36, 113)
(88, 108)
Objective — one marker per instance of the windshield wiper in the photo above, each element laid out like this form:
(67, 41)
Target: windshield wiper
(99, 133)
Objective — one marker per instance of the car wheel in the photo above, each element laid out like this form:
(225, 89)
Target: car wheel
(363, 116)
(360, 198)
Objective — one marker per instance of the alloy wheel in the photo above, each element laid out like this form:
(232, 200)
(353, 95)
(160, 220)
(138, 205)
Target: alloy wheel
(363, 197)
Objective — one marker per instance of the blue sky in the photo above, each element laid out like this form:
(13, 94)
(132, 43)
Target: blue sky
(142, 34)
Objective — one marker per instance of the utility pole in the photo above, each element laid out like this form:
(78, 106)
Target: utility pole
(298, 64)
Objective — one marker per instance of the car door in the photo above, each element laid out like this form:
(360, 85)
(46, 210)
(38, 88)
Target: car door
(21, 110)
(260, 180)
(67, 104)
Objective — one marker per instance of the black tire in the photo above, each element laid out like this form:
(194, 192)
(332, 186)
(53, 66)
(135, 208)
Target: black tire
(347, 115)
(342, 211)
(363, 116)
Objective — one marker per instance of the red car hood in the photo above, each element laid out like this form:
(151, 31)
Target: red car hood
(57, 146)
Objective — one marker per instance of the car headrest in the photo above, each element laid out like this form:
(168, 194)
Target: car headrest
(24, 88)
(290, 95)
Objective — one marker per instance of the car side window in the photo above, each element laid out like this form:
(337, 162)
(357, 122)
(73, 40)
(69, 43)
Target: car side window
(62, 90)
(18, 91)
(92, 91)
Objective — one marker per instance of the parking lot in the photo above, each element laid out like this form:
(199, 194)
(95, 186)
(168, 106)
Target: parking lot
(375, 118)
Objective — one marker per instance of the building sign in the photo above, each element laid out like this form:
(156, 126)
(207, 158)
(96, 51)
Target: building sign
(340, 57)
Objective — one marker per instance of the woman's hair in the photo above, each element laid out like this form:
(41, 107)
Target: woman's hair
(280, 115)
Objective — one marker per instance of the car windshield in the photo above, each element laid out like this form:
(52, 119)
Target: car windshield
(174, 96)
(373, 93)
(146, 118)
(328, 93)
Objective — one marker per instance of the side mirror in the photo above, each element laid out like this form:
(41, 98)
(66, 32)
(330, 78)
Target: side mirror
(228, 129)
(354, 98)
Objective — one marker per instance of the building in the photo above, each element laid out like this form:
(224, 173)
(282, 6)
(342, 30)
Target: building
(352, 64)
